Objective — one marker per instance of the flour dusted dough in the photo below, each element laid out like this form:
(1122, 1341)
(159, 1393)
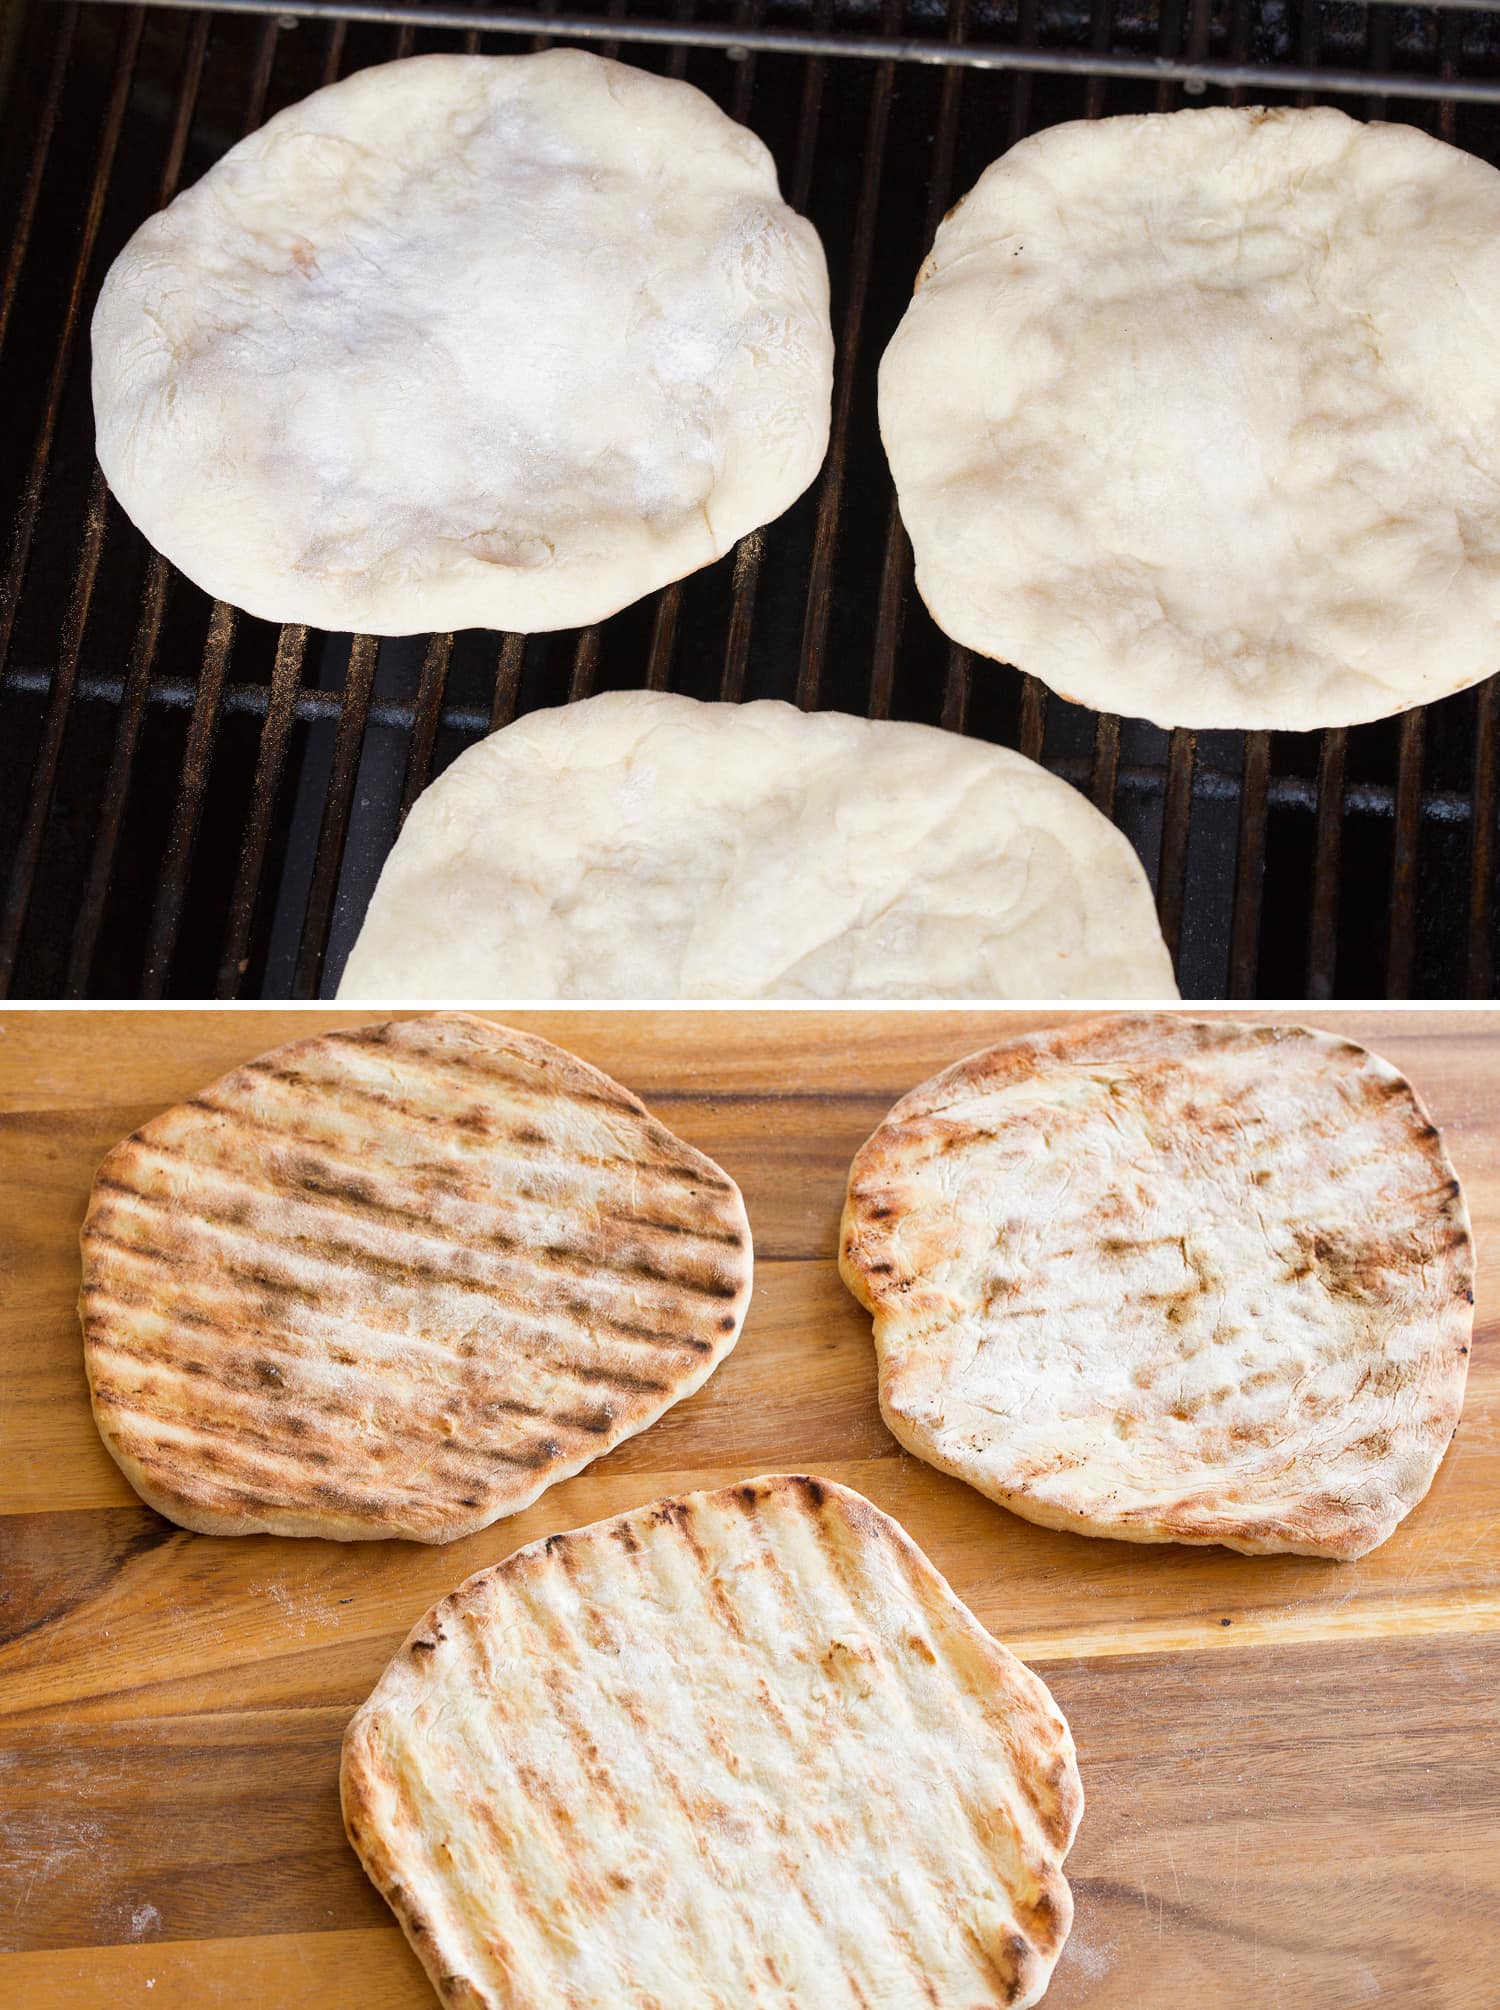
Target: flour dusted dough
(1197, 416)
(730, 1749)
(466, 341)
(644, 845)
(1170, 1281)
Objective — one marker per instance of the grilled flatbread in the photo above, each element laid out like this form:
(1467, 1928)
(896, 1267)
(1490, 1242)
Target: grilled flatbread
(397, 1281)
(1170, 1281)
(737, 1748)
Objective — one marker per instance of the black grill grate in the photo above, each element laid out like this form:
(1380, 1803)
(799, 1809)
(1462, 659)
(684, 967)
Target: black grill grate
(194, 803)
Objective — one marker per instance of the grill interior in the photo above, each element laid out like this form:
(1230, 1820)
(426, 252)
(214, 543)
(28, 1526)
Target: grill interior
(193, 803)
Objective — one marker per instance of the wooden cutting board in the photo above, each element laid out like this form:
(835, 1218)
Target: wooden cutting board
(1292, 1767)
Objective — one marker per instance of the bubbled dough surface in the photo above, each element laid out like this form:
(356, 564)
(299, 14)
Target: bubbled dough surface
(644, 845)
(1165, 1280)
(466, 341)
(1196, 416)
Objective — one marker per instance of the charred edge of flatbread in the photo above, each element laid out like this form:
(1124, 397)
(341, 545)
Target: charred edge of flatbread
(239, 1359)
(1052, 1786)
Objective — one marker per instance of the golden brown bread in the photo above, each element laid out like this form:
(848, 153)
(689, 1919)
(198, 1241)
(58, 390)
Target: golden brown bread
(741, 1748)
(1167, 1280)
(396, 1281)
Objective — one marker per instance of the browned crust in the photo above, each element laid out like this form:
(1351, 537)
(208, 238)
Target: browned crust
(1036, 1735)
(881, 1270)
(398, 1280)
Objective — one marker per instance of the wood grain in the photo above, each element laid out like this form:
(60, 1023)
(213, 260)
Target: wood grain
(1293, 1767)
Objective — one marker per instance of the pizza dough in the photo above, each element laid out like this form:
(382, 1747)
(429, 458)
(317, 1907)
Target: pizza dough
(1196, 416)
(1170, 1281)
(466, 341)
(397, 1281)
(735, 1748)
(642, 845)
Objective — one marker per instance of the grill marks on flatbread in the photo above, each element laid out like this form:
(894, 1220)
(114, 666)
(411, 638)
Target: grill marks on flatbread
(398, 1281)
(733, 1749)
(1170, 1281)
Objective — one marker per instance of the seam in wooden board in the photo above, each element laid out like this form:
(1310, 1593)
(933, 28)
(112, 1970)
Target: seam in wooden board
(151, 1952)
(254, 1716)
(708, 1098)
(1351, 1627)
(1215, 1638)
(881, 1095)
(1354, 1026)
(1376, 1619)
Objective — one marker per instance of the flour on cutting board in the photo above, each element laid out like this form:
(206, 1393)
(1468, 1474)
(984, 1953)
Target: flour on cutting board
(1090, 1950)
(39, 1848)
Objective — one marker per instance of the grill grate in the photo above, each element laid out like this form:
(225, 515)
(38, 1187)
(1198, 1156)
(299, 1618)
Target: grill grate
(194, 803)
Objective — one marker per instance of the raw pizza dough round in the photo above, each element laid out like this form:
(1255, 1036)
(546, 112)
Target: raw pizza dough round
(644, 845)
(1170, 1281)
(733, 1748)
(1196, 416)
(466, 341)
(397, 1280)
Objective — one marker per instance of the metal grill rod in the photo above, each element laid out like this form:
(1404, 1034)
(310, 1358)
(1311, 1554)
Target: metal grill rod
(1328, 827)
(748, 553)
(353, 716)
(1401, 936)
(895, 575)
(1481, 964)
(17, 893)
(31, 190)
(275, 736)
(1193, 76)
(152, 606)
(1106, 762)
(819, 603)
(313, 707)
(1182, 745)
(203, 727)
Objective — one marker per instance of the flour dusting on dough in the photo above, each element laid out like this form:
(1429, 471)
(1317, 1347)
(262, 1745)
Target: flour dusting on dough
(1196, 416)
(643, 845)
(466, 341)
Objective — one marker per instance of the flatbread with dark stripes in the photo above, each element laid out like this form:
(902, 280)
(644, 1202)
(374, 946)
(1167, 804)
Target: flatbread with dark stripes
(396, 1281)
(1171, 1281)
(733, 1749)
